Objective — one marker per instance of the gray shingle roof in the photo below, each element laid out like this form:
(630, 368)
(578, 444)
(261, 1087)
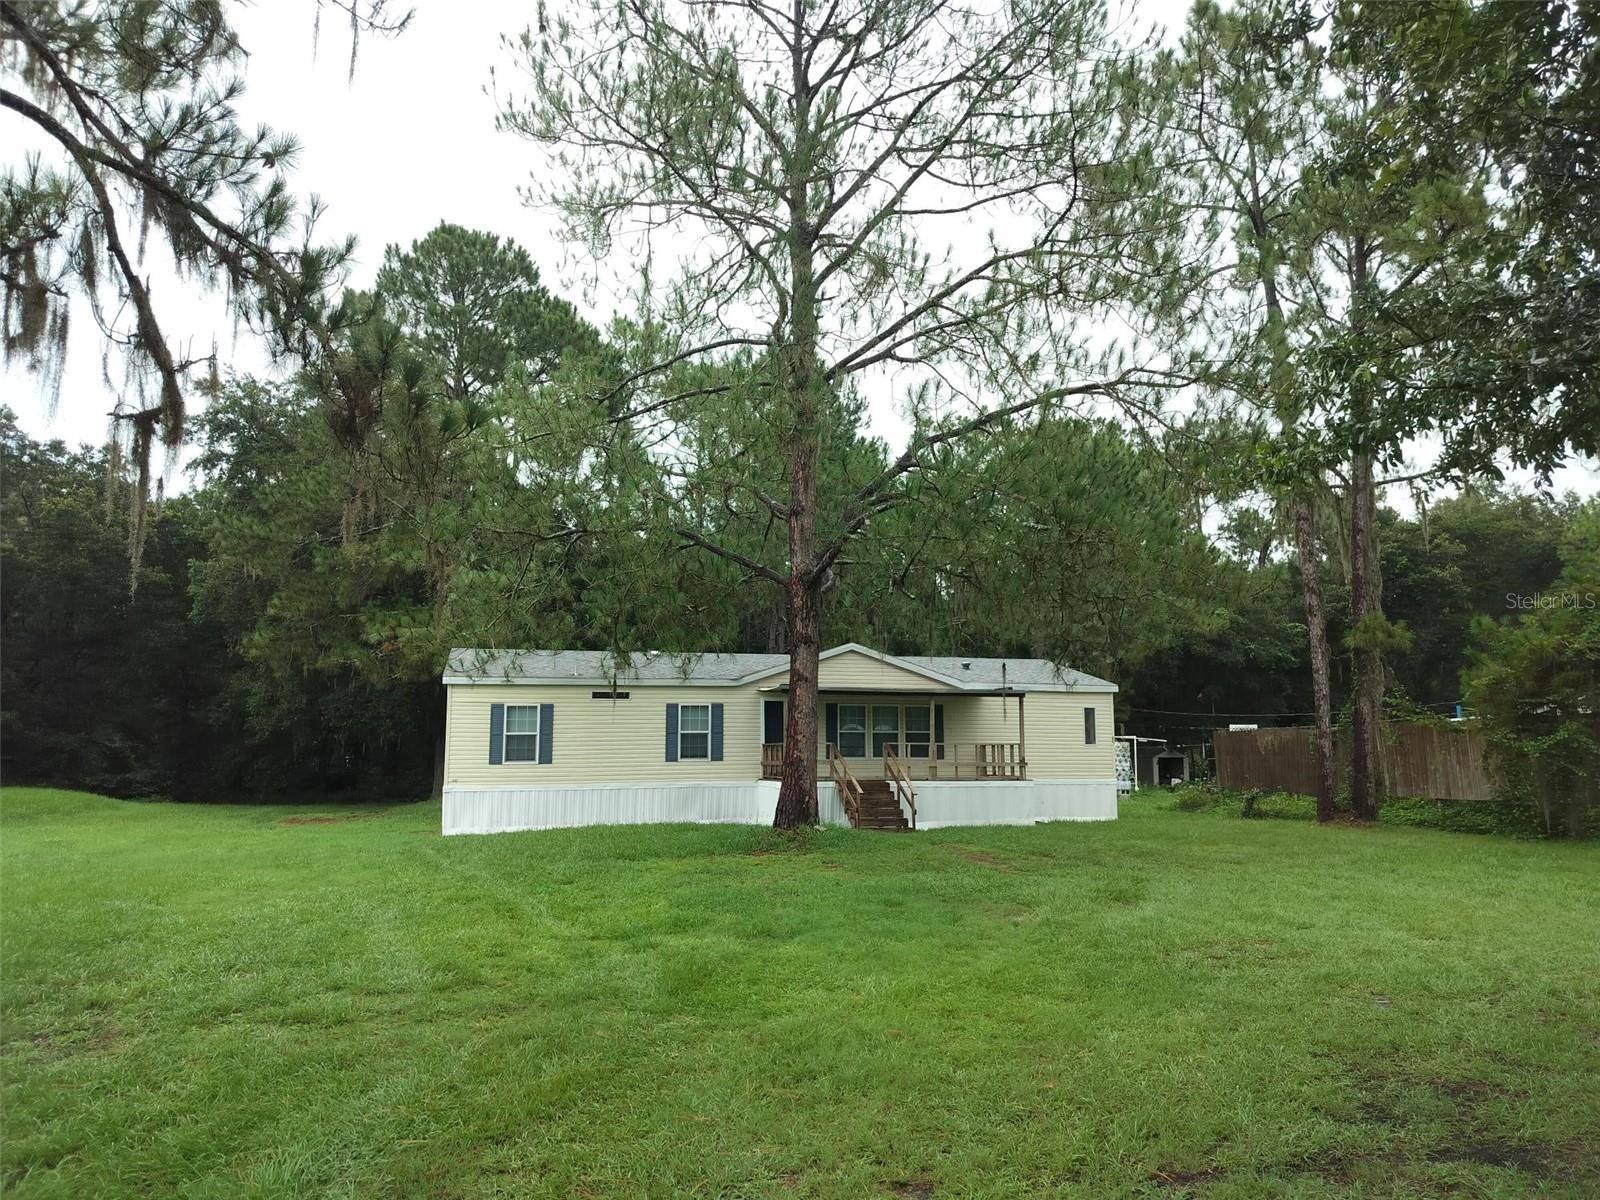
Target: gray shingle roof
(599, 667)
(1018, 672)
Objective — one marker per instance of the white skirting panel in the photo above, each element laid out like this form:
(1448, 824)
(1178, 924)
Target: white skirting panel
(1019, 802)
(830, 811)
(468, 810)
(940, 803)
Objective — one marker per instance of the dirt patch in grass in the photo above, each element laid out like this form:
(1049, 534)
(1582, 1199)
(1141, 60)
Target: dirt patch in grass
(1528, 1157)
(1183, 1180)
(1231, 952)
(912, 1189)
(49, 1047)
(328, 820)
(1330, 1166)
(769, 843)
(1442, 1121)
(1382, 1093)
(985, 858)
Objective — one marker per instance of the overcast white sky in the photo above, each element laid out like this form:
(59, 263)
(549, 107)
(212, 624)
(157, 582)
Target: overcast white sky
(408, 143)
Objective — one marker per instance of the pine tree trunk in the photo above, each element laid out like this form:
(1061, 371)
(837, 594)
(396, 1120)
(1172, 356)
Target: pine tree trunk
(797, 794)
(1366, 581)
(1317, 628)
(1366, 601)
(802, 384)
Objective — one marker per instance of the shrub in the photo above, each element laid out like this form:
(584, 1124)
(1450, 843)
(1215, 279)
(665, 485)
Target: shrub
(1194, 799)
(1534, 682)
(1463, 816)
(1457, 816)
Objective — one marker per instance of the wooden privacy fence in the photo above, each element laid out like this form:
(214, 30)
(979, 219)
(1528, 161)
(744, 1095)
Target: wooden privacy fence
(1437, 762)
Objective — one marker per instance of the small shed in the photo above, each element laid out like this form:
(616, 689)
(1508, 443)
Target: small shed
(1169, 767)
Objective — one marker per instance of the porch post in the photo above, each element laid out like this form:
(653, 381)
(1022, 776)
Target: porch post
(1022, 735)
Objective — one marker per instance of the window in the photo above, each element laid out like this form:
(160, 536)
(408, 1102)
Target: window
(522, 733)
(919, 730)
(853, 730)
(1088, 727)
(885, 728)
(694, 731)
(608, 695)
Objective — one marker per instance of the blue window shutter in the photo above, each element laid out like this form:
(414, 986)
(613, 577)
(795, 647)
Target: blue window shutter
(672, 733)
(716, 733)
(938, 729)
(547, 723)
(833, 724)
(497, 734)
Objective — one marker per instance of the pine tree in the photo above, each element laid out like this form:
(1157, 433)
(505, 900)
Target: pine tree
(907, 195)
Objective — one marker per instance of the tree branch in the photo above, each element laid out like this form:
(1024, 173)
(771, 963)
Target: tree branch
(733, 556)
(871, 499)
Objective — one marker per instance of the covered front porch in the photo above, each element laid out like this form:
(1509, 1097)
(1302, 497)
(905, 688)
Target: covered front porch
(912, 736)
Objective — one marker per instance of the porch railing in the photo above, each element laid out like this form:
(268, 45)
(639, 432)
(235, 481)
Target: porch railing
(938, 760)
(895, 773)
(849, 787)
(964, 760)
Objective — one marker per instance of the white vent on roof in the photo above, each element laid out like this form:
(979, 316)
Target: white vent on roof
(966, 666)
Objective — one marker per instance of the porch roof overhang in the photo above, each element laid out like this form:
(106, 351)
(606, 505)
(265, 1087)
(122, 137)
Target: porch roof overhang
(933, 692)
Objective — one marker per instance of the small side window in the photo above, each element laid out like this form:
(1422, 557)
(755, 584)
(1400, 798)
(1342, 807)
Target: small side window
(1088, 727)
(694, 731)
(522, 733)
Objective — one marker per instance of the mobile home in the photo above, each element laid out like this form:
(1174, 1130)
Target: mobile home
(547, 738)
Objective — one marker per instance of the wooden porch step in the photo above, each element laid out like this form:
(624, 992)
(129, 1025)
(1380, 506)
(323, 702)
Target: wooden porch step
(881, 820)
(879, 808)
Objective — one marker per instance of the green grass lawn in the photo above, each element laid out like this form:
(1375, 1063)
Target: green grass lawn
(237, 1001)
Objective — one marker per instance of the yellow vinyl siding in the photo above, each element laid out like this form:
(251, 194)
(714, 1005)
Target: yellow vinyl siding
(1056, 749)
(852, 669)
(1055, 745)
(599, 741)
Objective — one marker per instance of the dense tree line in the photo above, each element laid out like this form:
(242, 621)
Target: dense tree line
(294, 605)
(1332, 227)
